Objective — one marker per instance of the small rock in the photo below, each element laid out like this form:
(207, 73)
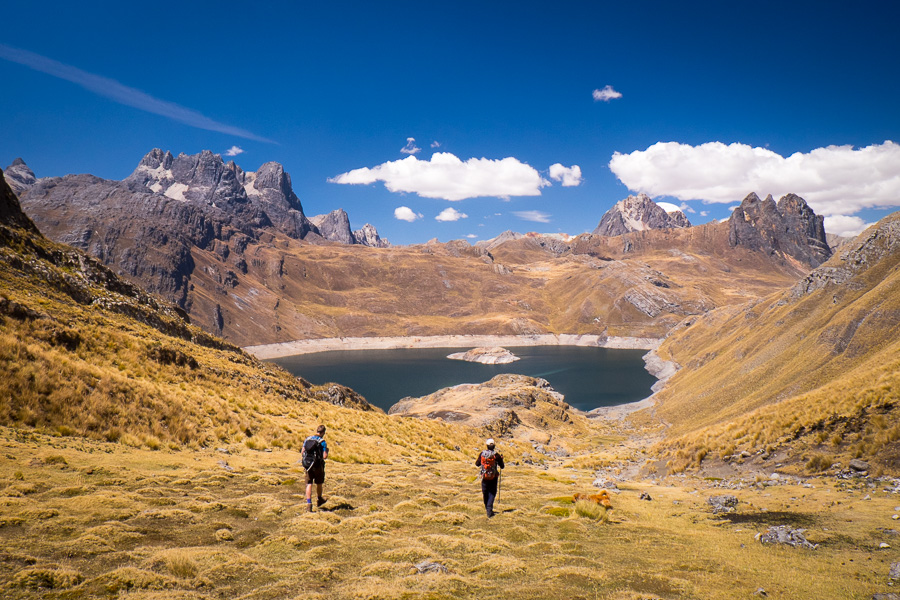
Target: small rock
(745, 454)
(894, 573)
(723, 504)
(606, 484)
(867, 497)
(427, 566)
(888, 596)
(859, 465)
(760, 592)
(884, 545)
(645, 496)
(223, 450)
(226, 466)
(895, 517)
(785, 534)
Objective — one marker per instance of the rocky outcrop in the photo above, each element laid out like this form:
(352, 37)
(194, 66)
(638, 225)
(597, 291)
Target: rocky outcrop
(638, 213)
(789, 228)
(335, 226)
(204, 179)
(507, 406)
(867, 250)
(368, 236)
(270, 189)
(19, 176)
(486, 356)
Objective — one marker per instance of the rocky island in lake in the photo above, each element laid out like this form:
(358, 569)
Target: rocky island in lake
(486, 356)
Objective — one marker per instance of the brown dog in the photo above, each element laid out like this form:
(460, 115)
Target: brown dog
(602, 498)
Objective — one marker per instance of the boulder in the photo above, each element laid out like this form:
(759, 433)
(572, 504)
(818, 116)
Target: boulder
(723, 504)
(785, 534)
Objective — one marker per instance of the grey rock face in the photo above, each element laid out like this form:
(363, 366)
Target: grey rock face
(368, 236)
(204, 179)
(789, 228)
(638, 213)
(19, 176)
(334, 226)
(270, 187)
(866, 250)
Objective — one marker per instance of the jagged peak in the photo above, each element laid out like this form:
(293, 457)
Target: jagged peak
(18, 162)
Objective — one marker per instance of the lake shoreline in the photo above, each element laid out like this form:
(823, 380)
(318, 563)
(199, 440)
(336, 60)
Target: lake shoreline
(309, 346)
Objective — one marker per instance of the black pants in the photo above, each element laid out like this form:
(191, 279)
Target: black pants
(489, 492)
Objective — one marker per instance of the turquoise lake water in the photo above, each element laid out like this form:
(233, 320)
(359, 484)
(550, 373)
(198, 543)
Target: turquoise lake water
(588, 377)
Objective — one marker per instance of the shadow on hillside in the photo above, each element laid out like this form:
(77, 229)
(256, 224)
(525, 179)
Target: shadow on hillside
(775, 517)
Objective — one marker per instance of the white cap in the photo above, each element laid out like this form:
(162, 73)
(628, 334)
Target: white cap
(490, 441)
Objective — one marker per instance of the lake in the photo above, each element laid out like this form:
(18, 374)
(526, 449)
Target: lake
(589, 377)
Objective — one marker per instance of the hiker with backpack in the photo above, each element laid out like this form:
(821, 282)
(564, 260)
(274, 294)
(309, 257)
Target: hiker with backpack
(315, 451)
(490, 461)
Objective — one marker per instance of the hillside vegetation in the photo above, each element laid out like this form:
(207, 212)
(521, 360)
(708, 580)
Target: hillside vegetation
(815, 368)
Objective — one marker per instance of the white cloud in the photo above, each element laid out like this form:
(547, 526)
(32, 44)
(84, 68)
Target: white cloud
(704, 213)
(405, 213)
(447, 177)
(533, 215)
(451, 214)
(435, 144)
(234, 151)
(410, 147)
(835, 180)
(845, 226)
(606, 94)
(569, 176)
(471, 236)
(115, 91)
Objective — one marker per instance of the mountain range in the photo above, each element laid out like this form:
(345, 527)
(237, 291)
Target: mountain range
(236, 252)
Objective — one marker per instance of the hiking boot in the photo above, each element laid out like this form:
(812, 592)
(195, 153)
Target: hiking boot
(309, 507)
(321, 501)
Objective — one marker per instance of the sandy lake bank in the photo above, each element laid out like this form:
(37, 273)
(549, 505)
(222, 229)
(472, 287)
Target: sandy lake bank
(268, 351)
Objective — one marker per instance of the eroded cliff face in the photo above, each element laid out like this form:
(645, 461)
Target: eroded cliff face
(789, 228)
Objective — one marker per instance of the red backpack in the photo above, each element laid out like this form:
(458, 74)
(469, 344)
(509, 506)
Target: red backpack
(489, 464)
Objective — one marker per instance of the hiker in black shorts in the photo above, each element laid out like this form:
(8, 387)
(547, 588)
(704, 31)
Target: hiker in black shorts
(315, 451)
(490, 462)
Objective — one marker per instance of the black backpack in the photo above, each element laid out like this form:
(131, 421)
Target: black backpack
(312, 452)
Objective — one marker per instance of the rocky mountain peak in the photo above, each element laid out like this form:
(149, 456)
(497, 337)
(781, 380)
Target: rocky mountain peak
(19, 176)
(368, 236)
(638, 213)
(788, 227)
(334, 226)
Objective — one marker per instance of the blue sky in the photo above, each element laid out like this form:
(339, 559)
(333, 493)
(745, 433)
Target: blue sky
(717, 100)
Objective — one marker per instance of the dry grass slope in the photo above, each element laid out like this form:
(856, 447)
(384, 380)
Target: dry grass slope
(816, 368)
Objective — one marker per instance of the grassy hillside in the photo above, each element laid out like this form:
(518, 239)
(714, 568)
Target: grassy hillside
(816, 368)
